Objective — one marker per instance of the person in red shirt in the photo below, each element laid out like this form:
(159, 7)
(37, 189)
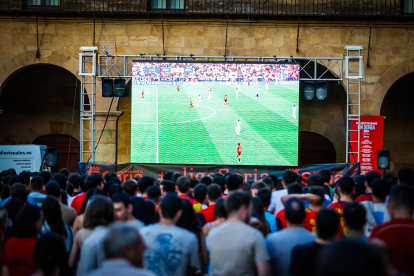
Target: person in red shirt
(369, 178)
(18, 251)
(142, 93)
(183, 185)
(143, 184)
(239, 151)
(225, 100)
(397, 233)
(312, 211)
(346, 190)
(213, 193)
(93, 181)
(191, 103)
(178, 89)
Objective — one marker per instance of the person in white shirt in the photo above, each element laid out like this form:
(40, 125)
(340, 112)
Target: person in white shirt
(267, 86)
(294, 112)
(199, 101)
(237, 92)
(238, 127)
(276, 200)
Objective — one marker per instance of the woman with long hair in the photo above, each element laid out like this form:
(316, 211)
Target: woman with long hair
(78, 223)
(259, 210)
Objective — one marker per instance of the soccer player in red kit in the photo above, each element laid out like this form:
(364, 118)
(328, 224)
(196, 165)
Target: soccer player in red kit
(142, 93)
(191, 103)
(178, 89)
(239, 151)
(225, 100)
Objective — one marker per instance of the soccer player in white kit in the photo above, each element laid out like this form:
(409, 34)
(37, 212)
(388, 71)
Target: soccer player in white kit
(199, 101)
(209, 94)
(238, 127)
(237, 93)
(267, 86)
(257, 95)
(294, 112)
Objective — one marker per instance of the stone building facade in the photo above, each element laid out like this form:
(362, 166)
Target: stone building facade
(390, 55)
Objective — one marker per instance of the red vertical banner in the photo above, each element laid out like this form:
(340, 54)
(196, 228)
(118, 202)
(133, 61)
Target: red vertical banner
(371, 133)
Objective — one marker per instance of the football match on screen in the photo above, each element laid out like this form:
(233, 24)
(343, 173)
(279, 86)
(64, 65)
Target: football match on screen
(215, 113)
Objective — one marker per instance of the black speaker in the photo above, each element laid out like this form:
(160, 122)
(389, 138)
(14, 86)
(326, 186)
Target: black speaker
(119, 88)
(309, 90)
(321, 90)
(107, 87)
(383, 159)
(51, 157)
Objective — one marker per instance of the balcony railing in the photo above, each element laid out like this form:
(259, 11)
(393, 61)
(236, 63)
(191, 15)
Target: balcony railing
(344, 8)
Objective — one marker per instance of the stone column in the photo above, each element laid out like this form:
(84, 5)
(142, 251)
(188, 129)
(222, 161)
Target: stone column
(107, 147)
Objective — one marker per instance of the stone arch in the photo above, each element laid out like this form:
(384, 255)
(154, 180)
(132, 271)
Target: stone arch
(385, 82)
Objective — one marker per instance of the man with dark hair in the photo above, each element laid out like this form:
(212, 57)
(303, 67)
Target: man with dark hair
(123, 210)
(92, 181)
(75, 179)
(406, 175)
(233, 183)
(143, 184)
(274, 223)
(304, 257)
(206, 180)
(256, 186)
(114, 189)
(247, 253)
(397, 233)
(21, 195)
(183, 186)
(175, 176)
(327, 180)
(171, 250)
(281, 243)
(276, 203)
(130, 187)
(26, 178)
(46, 175)
(319, 181)
(275, 180)
(61, 179)
(36, 183)
(200, 193)
(108, 176)
(65, 172)
(346, 189)
(292, 189)
(269, 183)
(167, 176)
(154, 194)
(219, 180)
(68, 213)
(78, 199)
(369, 178)
(167, 186)
(213, 193)
(16, 179)
(354, 218)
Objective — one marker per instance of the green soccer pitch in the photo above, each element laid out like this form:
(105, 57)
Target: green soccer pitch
(164, 129)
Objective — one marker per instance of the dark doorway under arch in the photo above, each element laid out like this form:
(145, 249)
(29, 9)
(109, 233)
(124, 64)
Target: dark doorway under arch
(61, 143)
(315, 149)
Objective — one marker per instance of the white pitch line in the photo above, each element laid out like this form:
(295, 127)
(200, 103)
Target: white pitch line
(156, 117)
(184, 122)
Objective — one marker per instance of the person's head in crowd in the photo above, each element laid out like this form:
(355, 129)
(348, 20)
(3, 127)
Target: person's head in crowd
(76, 179)
(116, 180)
(355, 218)
(387, 176)
(239, 206)
(144, 183)
(28, 222)
(90, 195)
(140, 210)
(152, 215)
(247, 188)
(349, 257)
(136, 178)
(170, 209)
(200, 192)
(82, 184)
(26, 178)
(46, 175)
(50, 255)
(346, 188)
(106, 186)
(53, 189)
(5, 192)
(380, 190)
(219, 180)
(13, 207)
(183, 185)
(214, 192)
(326, 174)
(294, 188)
(406, 175)
(269, 183)
(11, 172)
(316, 190)
(206, 180)
(65, 172)
(220, 209)
(327, 222)
(294, 212)
(369, 178)
(61, 179)
(233, 183)
(53, 216)
(315, 180)
(130, 187)
(275, 180)
(70, 190)
(100, 212)
(36, 183)
(256, 186)
(175, 176)
(193, 183)
(93, 181)
(400, 203)
(154, 194)
(113, 189)
(265, 196)
(122, 207)
(19, 191)
(108, 176)
(188, 219)
(360, 185)
(258, 208)
(16, 179)
(128, 245)
(167, 186)
(167, 176)
(288, 178)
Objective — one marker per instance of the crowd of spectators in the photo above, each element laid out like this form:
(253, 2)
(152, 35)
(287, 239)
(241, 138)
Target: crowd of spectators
(67, 224)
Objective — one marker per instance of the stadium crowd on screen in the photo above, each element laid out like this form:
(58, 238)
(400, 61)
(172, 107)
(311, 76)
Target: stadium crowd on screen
(67, 224)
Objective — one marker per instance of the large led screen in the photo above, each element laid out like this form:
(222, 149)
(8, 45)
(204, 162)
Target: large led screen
(215, 113)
